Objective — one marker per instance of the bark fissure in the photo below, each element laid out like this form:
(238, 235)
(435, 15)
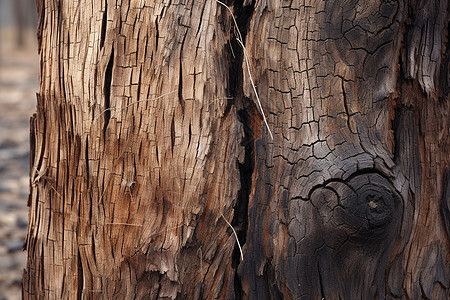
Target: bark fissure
(86, 153)
(104, 22)
(345, 100)
(445, 206)
(156, 37)
(353, 175)
(107, 89)
(240, 219)
(180, 77)
(81, 277)
(245, 115)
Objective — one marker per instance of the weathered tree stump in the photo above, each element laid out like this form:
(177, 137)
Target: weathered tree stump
(148, 139)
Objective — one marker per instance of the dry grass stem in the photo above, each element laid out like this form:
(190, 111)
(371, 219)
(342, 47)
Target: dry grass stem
(247, 62)
(235, 234)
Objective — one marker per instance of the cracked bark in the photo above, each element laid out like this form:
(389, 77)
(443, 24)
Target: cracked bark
(350, 200)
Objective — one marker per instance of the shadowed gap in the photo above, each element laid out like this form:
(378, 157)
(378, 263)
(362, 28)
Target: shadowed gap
(107, 89)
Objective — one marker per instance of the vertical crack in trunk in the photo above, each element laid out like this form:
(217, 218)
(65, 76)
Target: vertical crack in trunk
(395, 123)
(172, 134)
(180, 82)
(107, 89)
(444, 80)
(344, 96)
(445, 206)
(80, 277)
(240, 219)
(104, 20)
(247, 112)
(86, 153)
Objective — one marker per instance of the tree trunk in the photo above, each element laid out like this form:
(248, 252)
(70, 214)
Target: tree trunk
(148, 139)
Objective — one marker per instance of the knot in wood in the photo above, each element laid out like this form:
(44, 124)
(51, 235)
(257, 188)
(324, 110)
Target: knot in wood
(364, 206)
(375, 205)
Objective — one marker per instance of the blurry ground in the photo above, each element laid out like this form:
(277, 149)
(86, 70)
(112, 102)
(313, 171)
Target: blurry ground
(19, 70)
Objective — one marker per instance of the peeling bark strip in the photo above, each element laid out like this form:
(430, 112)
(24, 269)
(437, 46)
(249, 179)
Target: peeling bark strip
(131, 197)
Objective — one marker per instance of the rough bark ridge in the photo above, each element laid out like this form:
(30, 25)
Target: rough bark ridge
(350, 200)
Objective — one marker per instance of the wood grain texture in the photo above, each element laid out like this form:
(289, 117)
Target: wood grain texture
(349, 200)
(122, 205)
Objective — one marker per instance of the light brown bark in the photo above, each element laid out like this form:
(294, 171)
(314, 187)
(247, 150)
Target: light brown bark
(349, 200)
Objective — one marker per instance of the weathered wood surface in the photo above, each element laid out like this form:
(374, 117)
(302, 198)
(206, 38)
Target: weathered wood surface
(349, 200)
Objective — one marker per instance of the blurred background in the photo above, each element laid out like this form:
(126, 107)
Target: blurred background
(19, 72)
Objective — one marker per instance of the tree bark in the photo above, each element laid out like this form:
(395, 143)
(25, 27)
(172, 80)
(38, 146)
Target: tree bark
(148, 139)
